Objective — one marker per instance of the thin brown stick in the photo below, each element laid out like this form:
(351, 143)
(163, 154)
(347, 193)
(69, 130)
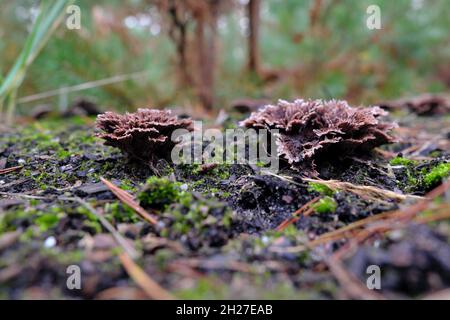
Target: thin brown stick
(8, 170)
(147, 284)
(392, 218)
(127, 198)
(350, 227)
(305, 209)
(435, 217)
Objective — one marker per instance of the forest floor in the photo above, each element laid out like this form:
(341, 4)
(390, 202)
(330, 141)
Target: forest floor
(223, 232)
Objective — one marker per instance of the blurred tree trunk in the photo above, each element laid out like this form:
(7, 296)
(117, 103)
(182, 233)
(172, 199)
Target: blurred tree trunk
(206, 39)
(178, 34)
(253, 39)
(196, 47)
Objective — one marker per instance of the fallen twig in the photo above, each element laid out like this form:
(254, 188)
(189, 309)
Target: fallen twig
(383, 222)
(305, 210)
(8, 170)
(14, 183)
(147, 284)
(127, 198)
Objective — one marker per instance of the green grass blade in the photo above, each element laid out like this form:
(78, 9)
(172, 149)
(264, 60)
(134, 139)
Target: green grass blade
(50, 15)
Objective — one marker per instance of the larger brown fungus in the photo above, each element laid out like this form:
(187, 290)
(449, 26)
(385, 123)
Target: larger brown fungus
(144, 135)
(310, 130)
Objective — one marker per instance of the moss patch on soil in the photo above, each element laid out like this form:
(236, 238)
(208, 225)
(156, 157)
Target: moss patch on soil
(215, 236)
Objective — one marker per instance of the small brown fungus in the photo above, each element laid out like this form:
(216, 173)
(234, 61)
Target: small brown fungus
(309, 130)
(144, 135)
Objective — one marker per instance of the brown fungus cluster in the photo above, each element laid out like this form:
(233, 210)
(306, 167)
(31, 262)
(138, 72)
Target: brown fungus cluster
(309, 130)
(144, 135)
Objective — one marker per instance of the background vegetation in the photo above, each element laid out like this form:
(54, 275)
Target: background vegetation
(306, 48)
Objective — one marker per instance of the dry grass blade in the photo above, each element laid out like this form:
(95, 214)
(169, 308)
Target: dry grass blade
(8, 170)
(440, 214)
(383, 222)
(341, 232)
(147, 284)
(364, 191)
(127, 198)
(304, 210)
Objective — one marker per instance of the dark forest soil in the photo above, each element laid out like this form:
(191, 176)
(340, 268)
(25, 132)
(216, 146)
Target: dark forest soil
(216, 236)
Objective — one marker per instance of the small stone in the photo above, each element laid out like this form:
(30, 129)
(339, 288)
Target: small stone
(50, 242)
(21, 161)
(93, 188)
(3, 162)
(287, 199)
(66, 168)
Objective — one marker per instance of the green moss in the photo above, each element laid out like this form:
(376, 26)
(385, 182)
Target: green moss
(204, 289)
(196, 216)
(290, 231)
(120, 213)
(128, 185)
(46, 221)
(92, 220)
(325, 205)
(320, 188)
(62, 154)
(436, 154)
(413, 177)
(8, 219)
(69, 257)
(40, 221)
(400, 161)
(163, 256)
(220, 171)
(199, 215)
(159, 193)
(437, 174)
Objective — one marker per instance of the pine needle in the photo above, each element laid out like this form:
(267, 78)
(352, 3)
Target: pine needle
(128, 199)
(305, 210)
(147, 284)
(8, 170)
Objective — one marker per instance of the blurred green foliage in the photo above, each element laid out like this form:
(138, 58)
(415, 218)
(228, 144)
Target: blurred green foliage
(336, 56)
